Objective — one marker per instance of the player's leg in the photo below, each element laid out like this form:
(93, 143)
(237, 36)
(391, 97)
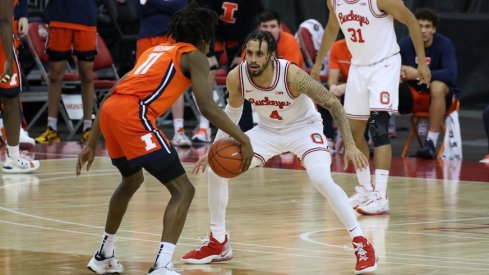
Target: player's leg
(358, 112)
(218, 246)
(85, 49)
(311, 146)
(9, 91)
(169, 171)
(384, 100)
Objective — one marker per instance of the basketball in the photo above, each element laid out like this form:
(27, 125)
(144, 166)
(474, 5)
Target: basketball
(225, 158)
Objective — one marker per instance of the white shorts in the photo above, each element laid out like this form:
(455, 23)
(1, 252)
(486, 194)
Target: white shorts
(373, 88)
(301, 141)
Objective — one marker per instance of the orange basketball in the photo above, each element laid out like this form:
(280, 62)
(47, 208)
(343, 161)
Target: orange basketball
(225, 158)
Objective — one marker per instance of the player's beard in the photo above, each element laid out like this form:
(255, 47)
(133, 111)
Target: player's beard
(260, 71)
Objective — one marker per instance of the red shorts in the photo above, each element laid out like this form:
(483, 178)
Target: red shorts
(13, 87)
(65, 38)
(145, 43)
(130, 131)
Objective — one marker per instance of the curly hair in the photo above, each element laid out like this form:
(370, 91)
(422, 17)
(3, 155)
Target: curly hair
(193, 24)
(261, 36)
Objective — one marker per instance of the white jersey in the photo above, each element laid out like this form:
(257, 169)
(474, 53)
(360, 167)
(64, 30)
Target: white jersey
(369, 32)
(277, 108)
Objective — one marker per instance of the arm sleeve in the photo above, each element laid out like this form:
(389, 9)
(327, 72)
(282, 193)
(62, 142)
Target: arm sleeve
(234, 115)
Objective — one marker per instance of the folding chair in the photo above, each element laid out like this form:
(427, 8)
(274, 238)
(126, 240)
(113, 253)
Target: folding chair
(309, 53)
(36, 41)
(421, 111)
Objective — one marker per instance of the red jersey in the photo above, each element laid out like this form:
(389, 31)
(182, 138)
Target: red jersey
(157, 79)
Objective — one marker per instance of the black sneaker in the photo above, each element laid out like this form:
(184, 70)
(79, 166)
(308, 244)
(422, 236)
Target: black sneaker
(427, 152)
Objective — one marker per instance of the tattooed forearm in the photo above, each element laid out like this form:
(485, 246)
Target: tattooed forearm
(316, 91)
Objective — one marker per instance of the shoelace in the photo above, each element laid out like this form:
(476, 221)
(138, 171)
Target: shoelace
(360, 252)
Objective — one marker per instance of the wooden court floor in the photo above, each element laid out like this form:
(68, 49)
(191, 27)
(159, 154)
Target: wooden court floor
(51, 222)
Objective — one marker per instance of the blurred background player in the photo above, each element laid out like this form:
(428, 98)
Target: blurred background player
(21, 27)
(442, 61)
(10, 87)
(72, 31)
(154, 17)
(373, 82)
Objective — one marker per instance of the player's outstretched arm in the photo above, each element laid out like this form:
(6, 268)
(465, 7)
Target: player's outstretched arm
(198, 66)
(301, 82)
(329, 35)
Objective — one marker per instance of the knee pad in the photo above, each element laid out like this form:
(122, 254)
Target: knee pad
(378, 128)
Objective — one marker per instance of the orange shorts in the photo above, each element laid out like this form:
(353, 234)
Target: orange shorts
(145, 43)
(130, 131)
(66, 39)
(13, 87)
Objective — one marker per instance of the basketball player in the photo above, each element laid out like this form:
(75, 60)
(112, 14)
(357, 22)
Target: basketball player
(127, 120)
(281, 93)
(10, 87)
(372, 87)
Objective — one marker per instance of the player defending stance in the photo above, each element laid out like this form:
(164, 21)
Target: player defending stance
(127, 120)
(281, 93)
(372, 87)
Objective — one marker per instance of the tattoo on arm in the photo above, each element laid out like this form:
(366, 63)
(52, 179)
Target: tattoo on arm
(316, 91)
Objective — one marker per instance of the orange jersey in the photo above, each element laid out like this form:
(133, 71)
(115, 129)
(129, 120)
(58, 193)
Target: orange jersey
(340, 57)
(156, 79)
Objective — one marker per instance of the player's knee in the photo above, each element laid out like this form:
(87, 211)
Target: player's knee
(438, 89)
(378, 128)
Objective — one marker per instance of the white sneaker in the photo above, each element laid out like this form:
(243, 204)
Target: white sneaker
(180, 139)
(101, 265)
(376, 205)
(360, 197)
(167, 270)
(202, 135)
(20, 165)
(25, 141)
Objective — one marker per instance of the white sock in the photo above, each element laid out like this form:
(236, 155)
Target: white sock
(381, 177)
(1, 123)
(177, 124)
(87, 124)
(13, 151)
(218, 201)
(317, 165)
(53, 123)
(204, 123)
(364, 178)
(107, 246)
(165, 254)
(433, 136)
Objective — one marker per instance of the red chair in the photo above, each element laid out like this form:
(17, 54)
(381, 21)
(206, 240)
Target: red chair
(421, 111)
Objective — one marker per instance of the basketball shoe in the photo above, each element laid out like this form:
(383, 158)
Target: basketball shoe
(376, 205)
(166, 270)
(102, 265)
(364, 251)
(210, 251)
(202, 135)
(360, 197)
(49, 136)
(180, 139)
(485, 159)
(20, 165)
(25, 141)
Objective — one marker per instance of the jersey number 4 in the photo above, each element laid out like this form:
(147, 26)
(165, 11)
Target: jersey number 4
(275, 115)
(356, 35)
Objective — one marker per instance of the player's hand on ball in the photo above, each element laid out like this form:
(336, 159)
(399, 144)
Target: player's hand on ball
(356, 156)
(247, 153)
(200, 165)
